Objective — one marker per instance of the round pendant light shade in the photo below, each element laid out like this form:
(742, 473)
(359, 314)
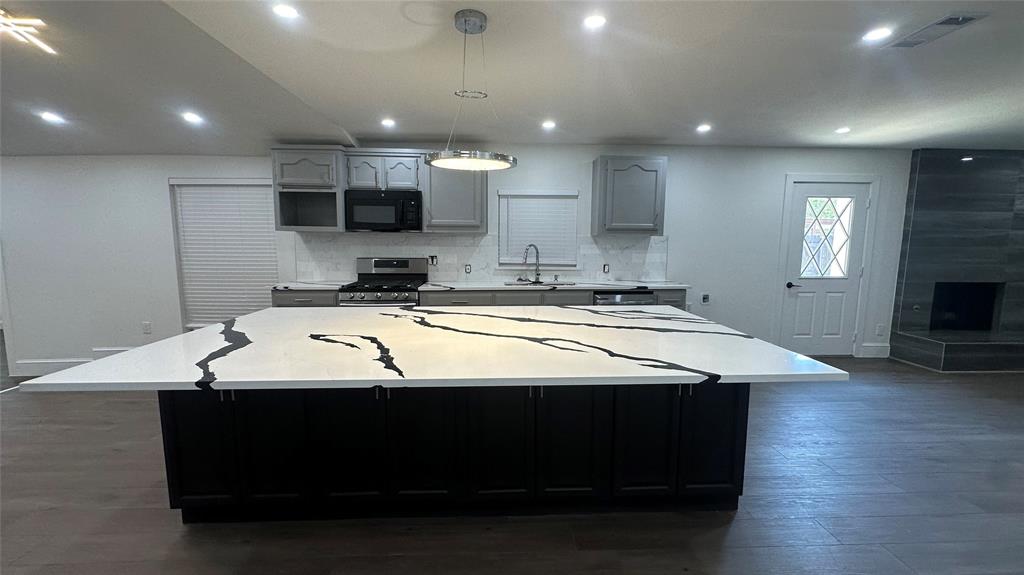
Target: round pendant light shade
(470, 160)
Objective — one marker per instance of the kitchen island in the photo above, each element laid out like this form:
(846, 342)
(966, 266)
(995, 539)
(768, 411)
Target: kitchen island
(315, 412)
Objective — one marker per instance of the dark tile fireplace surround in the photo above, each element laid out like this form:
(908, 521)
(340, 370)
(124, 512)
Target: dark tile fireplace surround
(960, 288)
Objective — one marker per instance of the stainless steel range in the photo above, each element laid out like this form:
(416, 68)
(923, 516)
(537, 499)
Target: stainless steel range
(385, 281)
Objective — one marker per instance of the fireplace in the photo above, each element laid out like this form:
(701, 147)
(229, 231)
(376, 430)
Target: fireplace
(966, 306)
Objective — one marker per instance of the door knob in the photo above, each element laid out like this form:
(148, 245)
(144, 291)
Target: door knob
(792, 285)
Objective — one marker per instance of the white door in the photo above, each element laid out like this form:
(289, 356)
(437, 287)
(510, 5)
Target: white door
(823, 238)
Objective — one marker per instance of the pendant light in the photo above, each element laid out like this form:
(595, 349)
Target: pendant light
(469, 22)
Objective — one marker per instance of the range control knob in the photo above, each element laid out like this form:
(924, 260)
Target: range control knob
(352, 296)
(377, 295)
(394, 295)
(405, 296)
(362, 296)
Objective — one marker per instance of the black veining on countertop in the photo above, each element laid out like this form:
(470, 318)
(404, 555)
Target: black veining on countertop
(326, 338)
(552, 342)
(639, 314)
(235, 340)
(385, 356)
(521, 319)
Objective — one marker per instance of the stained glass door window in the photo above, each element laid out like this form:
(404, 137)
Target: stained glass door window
(826, 243)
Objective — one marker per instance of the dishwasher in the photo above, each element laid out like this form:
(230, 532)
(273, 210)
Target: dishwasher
(628, 297)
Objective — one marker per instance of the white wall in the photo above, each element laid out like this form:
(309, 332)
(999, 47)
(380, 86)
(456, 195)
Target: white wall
(89, 246)
(89, 252)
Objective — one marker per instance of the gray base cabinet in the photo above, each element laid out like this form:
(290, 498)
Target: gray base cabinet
(629, 194)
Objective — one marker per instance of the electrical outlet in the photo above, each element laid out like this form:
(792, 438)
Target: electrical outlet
(880, 329)
(705, 298)
(432, 260)
(147, 327)
(606, 268)
(469, 269)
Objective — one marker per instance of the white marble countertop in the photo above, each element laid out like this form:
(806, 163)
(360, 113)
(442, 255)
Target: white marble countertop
(444, 346)
(587, 286)
(300, 286)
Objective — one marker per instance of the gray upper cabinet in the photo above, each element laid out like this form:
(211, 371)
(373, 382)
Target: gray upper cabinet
(455, 201)
(629, 194)
(305, 168)
(366, 172)
(384, 172)
(402, 173)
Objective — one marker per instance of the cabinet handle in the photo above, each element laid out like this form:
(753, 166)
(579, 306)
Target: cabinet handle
(691, 390)
(376, 392)
(389, 393)
(530, 390)
(542, 392)
(303, 299)
(460, 301)
(232, 395)
(222, 397)
(671, 301)
(679, 390)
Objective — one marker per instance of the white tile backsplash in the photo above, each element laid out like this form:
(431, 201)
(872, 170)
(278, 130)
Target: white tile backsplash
(331, 256)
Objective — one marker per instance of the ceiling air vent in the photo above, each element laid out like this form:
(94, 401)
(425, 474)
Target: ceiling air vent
(936, 30)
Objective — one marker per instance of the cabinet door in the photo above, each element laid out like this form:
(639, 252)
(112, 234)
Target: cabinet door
(199, 448)
(675, 298)
(574, 431)
(456, 201)
(568, 297)
(423, 442)
(402, 173)
(714, 438)
(646, 440)
(349, 442)
(634, 194)
(365, 173)
(500, 435)
(517, 297)
(305, 169)
(272, 443)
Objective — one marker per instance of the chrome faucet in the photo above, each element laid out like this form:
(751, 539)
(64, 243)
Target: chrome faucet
(536, 261)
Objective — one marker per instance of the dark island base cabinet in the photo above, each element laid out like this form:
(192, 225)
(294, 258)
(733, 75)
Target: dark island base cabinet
(322, 453)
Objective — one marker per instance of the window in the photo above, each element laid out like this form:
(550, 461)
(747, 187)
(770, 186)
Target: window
(546, 218)
(227, 250)
(826, 249)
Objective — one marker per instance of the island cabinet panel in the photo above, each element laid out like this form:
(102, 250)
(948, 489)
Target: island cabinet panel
(500, 442)
(272, 445)
(713, 436)
(199, 448)
(348, 437)
(424, 443)
(574, 432)
(646, 448)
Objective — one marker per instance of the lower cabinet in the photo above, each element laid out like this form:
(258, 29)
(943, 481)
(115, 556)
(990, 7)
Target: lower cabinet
(423, 442)
(500, 438)
(574, 428)
(353, 449)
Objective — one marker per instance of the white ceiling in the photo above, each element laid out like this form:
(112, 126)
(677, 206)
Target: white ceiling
(763, 73)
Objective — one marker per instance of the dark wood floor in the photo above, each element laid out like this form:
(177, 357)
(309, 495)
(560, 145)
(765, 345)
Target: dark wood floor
(899, 471)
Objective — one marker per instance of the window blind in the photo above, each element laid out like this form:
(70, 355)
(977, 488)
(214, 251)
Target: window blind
(546, 218)
(227, 251)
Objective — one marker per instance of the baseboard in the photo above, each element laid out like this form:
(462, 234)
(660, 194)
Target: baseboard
(37, 367)
(873, 350)
(98, 352)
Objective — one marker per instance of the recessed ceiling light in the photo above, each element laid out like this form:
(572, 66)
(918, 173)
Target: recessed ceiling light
(24, 30)
(51, 117)
(877, 34)
(548, 124)
(286, 11)
(192, 118)
(594, 21)
(843, 130)
(703, 128)
(967, 159)
(387, 123)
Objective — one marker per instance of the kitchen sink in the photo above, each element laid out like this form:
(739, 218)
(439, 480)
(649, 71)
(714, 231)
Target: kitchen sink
(540, 283)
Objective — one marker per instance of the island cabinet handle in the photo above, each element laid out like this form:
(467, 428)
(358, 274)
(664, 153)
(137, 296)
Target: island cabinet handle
(389, 393)
(302, 299)
(460, 301)
(376, 392)
(222, 397)
(542, 392)
(691, 390)
(530, 391)
(679, 390)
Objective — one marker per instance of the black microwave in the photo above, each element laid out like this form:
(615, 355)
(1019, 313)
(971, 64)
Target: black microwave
(383, 211)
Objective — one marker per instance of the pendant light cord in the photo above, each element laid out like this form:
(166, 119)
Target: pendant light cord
(458, 112)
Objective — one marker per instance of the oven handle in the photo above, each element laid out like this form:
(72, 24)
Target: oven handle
(388, 304)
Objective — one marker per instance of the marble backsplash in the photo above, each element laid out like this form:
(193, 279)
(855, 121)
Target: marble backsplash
(331, 257)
